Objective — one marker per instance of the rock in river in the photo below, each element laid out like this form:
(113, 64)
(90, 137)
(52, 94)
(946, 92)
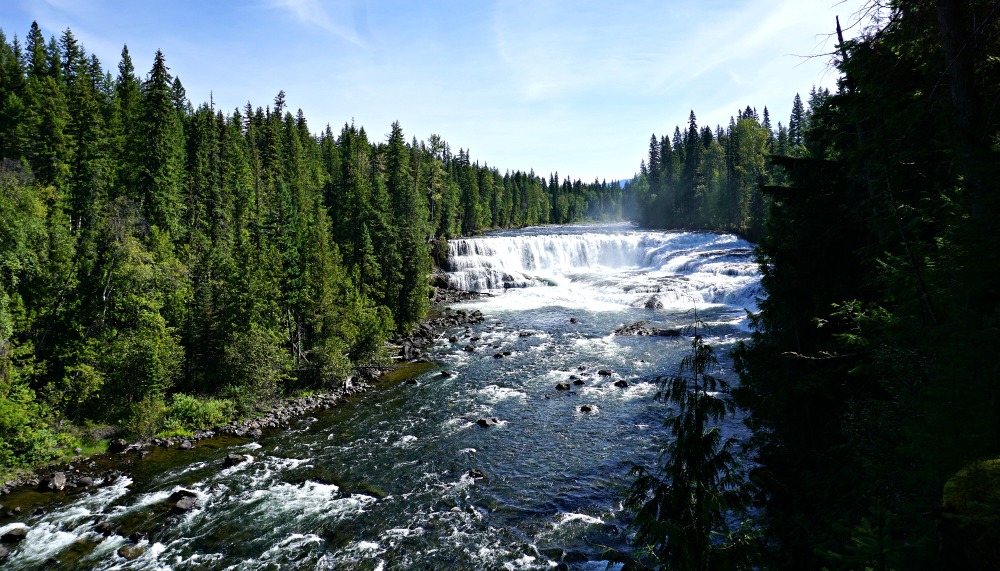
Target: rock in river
(234, 459)
(16, 535)
(131, 552)
(56, 482)
(183, 501)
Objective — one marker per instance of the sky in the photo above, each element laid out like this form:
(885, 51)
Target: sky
(569, 86)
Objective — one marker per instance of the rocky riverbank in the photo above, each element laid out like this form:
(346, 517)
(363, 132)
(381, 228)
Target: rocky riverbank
(84, 472)
(441, 319)
(81, 472)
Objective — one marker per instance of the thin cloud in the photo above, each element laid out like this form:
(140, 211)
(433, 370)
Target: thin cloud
(346, 24)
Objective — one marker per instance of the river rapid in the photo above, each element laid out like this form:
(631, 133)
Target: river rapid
(404, 477)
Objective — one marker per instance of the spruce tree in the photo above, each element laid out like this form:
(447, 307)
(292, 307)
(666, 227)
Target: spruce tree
(690, 510)
(161, 157)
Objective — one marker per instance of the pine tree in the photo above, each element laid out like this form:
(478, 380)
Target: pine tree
(13, 111)
(655, 166)
(161, 157)
(686, 507)
(796, 126)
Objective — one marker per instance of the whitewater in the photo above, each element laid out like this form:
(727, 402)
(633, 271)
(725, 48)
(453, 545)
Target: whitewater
(405, 477)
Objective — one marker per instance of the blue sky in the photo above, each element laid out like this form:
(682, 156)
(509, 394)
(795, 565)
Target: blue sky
(573, 86)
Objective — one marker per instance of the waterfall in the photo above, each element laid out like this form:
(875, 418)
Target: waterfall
(406, 477)
(633, 267)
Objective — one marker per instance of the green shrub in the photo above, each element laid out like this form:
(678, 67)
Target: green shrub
(188, 412)
(257, 363)
(146, 417)
(25, 437)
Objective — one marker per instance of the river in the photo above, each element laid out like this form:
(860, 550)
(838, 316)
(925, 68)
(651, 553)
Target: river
(404, 477)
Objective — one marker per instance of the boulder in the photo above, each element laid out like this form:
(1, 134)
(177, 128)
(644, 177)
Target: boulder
(640, 328)
(407, 351)
(85, 482)
(653, 302)
(525, 334)
(562, 387)
(181, 494)
(183, 501)
(131, 552)
(3, 552)
(498, 355)
(117, 445)
(56, 482)
(604, 373)
(105, 528)
(16, 535)
(586, 408)
(185, 504)
(445, 374)
(185, 445)
(411, 381)
(621, 383)
(453, 339)
(234, 459)
(476, 474)
(487, 422)
(578, 382)
(468, 348)
(664, 332)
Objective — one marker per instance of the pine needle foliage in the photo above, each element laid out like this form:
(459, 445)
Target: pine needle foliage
(690, 509)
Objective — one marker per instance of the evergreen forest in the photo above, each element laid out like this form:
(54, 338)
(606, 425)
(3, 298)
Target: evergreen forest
(158, 257)
(871, 383)
(166, 267)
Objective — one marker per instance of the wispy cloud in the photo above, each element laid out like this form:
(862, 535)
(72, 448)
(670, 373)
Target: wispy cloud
(344, 18)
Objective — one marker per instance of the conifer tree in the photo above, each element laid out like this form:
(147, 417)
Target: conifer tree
(685, 508)
(796, 125)
(161, 157)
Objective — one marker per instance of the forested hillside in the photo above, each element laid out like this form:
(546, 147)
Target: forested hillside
(872, 382)
(151, 249)
(711, 179)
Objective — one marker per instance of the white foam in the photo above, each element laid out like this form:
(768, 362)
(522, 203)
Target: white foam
(523, 562)
(405, 440)
(494, 393)
(570, 518)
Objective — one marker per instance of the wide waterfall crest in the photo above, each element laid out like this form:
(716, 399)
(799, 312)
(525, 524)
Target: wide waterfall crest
(633, 267)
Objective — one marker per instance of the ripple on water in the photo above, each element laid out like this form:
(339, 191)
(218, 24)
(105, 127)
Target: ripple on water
(555, 476)
(495, 393)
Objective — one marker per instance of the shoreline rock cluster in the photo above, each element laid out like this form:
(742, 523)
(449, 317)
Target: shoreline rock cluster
(81, 473)
(412, 348)
(640, 328)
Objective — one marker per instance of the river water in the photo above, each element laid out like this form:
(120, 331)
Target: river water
(387, 481)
